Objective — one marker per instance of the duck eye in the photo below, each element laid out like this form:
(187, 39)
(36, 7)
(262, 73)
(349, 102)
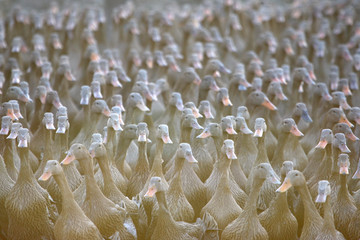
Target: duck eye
(79, 147)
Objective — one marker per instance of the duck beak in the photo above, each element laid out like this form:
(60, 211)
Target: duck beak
(322, 144)
(343, 119)
(4, 131)
(106, 112)
(214, 87)
(357, 174)
(197, 81)
(140, 105)
(269, 105)
(208, 114)
(281, 96)
(344, 170)
(273, 177)
(84, 101)
(10, 113)
(115, 82)
(285, 186)
(217, 74)
(259, 72)
(117, 127)
(195, 125)
(57, 104)
(149, 63)
(344, 148)
(231, 154)
(142, 137)
(196, 113)
(61, 130)
(190, 158)
(246, 130)
(23, 143)
(327, 97)
(179, 106)
(166, 139)
(68, 159)
(346, 91)
(18, 114)
(258, 132)
(150, 192)
(43, 98)
(305, 115)
(45, 176)
(92, 153)
(12, 135)
(230, 130)
(321, 198)
(289, 51)
(205, 134)
(50, 126)
(226, 101)
(352, 136)
(69, 76)
(344, 105)
(295, 131)
(312, 75)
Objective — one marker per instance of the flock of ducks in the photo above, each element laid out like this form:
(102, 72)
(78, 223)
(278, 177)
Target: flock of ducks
(220, 120)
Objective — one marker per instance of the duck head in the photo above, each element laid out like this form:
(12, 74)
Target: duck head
(264, 171)
(324, 190)
(293, 178)
(143, 132)
(227, 125)
(241, 125)
(155, 185)
(5, 125)
(301, 111)
(163, 133)
(288, 125)
(343, 163)
(260, 127)
(77, 151)
(346, 130)
(101, 107)
(326, 138)
(23, 138)
(205, 109)
(62, 124)
(340, 142)
(52, 168)
(228, 149)
(211, 130)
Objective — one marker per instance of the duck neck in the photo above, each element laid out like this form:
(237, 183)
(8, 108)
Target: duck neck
(122, 148)
(48, 153)
(278, 158)
(91, 185)
(217, 142)
(343, 191)
(335, 153)
(185, 135)
(262, 154)
(310, 211)
(9, 152)
(250, 205)
(246, 140)
(25, 174)
(68, 201)
(157, 164)
(161, 198)
(110, 144)
(105, 169)
(143, 162)
(328, 216)
(86, 110)
(327, 163)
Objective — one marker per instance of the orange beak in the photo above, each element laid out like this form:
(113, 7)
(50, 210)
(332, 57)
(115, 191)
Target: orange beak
(230, 130)
(344, 170)
(352, 137)
(343, 119)
(106, 112)
(68, 159)
(269, 105)
(10, 113)
(150, 192)
(258, 132)
(295, 131)
(346, 90)
(204, 134)
(45, 176)
(166, 139)
(285, 186)
(322, 144)
(226, 101)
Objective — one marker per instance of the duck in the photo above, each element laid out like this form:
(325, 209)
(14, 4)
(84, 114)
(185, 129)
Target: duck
(343, 206)
(10, 155)
(328, 230)
(141, 171)
(7, 183)
(245, 146)
(279, 209)
(72, 222)
(107, 217)
(166, 227)
(26, 185)
(213, 130)
(179, 206)
(222, 205)
(312, 219)
(247, 224)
